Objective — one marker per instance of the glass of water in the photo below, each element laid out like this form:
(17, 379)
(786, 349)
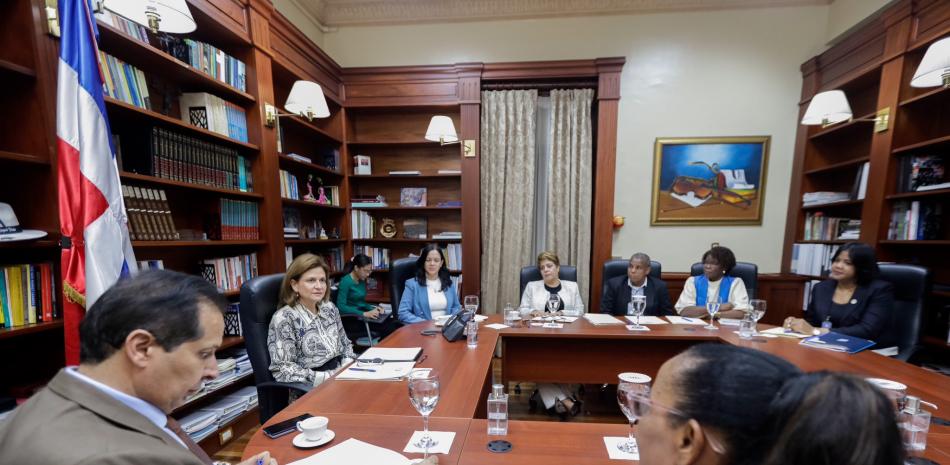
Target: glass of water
(712, 308)
(424, 396)
(632, 386)
(510, 314)
(757, 312)
(638, 305)
(471, 303)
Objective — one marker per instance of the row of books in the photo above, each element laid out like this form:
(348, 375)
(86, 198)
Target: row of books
(206, 421)
(914, 221)
(362, 225)
(204, 110)
(129, 27)
(151, 265)
(368, 201)
(821, 198)
(812, 259)
(922, 173)
(379, 255)
(231, 272)
(819, 227)
(239, 221)
(27, 294)
(180, 157)
(150, 217)
(808, 288)
(124, 82)
(333, 256)
(453, 256)
(209, 60)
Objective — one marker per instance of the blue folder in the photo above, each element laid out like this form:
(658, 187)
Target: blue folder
(838, 342)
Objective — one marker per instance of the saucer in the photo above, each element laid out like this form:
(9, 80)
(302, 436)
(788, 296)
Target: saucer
(302, 442)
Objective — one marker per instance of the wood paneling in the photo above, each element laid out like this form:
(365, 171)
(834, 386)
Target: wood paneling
(295, 52)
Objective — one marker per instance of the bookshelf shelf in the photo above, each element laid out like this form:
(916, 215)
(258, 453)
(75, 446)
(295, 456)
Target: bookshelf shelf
(159, 244)
(835, 241)
(912, 195)
(302, 123)
(402, 178)
(187, 185)
(398, 143)
(312, 166)
(920, 243)
(355, 106)
(410, 209)
(132, 111)
(316, 242)
(845, 203)
(9, 68)
(151, 60)
(945, 140)
(187, 406)
(23, 158)
(809, 276)
(17, 331)
(231, 293)
(837, 166)
(852, 125)
(405, 241)
(939, 91)
(304, 203)
(47, 242)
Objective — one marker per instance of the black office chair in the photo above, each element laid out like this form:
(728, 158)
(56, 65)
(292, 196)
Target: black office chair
(258, 304)
(618, 267)
(532, 273)
(357, 329)
(400, 271)
(747, 272)
(911, 287)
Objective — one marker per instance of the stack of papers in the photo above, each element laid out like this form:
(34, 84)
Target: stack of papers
(602, 319)
(647, 320)
(682, 320)
(780, 331)
(354, 451)
(392, 354)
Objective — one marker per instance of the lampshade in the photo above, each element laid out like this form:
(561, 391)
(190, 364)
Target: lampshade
(441, 129)
(173, 15)
(827, 107)
(306, 99)
(934, 66)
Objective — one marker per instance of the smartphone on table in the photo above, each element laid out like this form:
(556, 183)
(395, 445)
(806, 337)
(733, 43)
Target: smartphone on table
(287, 426)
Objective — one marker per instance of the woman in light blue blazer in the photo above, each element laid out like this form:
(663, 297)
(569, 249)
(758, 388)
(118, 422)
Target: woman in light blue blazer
(431, 293)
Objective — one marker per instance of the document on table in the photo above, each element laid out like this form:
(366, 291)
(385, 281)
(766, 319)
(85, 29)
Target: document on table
(647, 320)
(602, 319)
(392, 354)
(390, 371)
(355, 451)
(780, 331)
(682, 320)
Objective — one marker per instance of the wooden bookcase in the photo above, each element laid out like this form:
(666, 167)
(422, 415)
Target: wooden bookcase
(874, 66)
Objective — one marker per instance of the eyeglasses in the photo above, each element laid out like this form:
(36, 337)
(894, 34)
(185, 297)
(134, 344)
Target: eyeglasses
(643, 405)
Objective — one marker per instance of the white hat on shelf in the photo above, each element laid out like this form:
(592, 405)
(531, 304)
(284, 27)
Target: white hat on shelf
(10, 229)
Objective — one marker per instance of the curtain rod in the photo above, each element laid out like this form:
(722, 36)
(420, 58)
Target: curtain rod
(539, 85)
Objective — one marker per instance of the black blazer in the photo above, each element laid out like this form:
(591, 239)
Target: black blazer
(864, 317)
(618, 296)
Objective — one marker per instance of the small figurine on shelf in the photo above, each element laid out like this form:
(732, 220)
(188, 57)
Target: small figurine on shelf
(323, 233)
(309, 195)
(335, 234)
(322, 200)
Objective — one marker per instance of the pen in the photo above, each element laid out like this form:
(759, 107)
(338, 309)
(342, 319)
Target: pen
(363, 369)
(688, 320)
(260, 461)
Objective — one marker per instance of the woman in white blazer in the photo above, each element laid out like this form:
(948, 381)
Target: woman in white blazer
(556, 398)
(537, 293)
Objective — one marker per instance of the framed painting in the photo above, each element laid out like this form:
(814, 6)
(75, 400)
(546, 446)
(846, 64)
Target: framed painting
(709, 180)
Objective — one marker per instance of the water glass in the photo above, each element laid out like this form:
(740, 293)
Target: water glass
(638, 306)
(471, 303)
(746, 327)
(629, 389)
(712, 307)
(511, 315)
(471, 333)
(525, 313)
(757, 312)
(424, 396)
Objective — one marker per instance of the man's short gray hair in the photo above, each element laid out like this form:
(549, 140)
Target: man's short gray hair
(641, 257)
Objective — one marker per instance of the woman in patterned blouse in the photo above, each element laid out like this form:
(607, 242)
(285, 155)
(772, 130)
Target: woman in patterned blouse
(306, 340)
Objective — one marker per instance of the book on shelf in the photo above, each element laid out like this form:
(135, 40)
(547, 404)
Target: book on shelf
(362, 225)
(850, 230)
(860, 187)
(231, 272)
(331, 159)
(374, 289)
(810, 199)
(204, 110)
(238, 221)
(333, 256)
(150, 216)
(922, 173)
(414, 228)
(368, 201)
(450, 204)
(916, 220)
(180, 157)
(298, 157)
(127, 26)
(453, 256)
(362, 165)
(27, 294)
(405, 173)
(819, 227)
(449, 171)
(151, 264)
(812, 259)
(379, 255)
(289, 188)
(124, 82)
(413, 196)
(208, 59)
(448, 235)
(291, 223)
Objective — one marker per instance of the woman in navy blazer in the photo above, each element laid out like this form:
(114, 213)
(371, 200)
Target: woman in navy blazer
(853, 301)
(431, 293)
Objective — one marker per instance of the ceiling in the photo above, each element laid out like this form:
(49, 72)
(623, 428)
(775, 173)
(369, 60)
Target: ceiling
(334, 13)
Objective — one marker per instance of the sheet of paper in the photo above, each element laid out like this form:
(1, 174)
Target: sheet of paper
(354, 451)
(647, 320)
(634, 328)
(682, 320)
(729, 321)
(392, 353)
(615, 453)
(496, 326)
(444, 439)
(780, 332)
(391, 371)
(552, 325)
(602, 319)
(566, 319)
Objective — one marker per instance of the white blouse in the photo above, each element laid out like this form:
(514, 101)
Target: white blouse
(437, 301)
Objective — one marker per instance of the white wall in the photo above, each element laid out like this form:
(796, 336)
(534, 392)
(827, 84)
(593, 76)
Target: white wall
(300, 18)
(845, 14)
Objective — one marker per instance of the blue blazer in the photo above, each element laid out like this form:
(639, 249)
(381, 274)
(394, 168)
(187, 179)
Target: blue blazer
(865, 316)
(414, 305)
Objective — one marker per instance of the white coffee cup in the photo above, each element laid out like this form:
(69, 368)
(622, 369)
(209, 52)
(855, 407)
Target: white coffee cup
(313, 428)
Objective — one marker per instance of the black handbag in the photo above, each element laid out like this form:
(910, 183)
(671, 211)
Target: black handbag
(454, 327)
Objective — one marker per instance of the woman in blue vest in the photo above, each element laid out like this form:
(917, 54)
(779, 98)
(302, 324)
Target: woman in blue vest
(714, 283)
(431, 293)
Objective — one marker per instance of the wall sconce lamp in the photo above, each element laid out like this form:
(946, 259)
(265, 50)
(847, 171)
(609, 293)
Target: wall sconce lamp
(831, 107)
(171, 16)
(306, 100)
(934, 69)
(442, 130)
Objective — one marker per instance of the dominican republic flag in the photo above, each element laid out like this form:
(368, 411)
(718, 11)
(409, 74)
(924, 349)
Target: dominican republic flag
(96, 246)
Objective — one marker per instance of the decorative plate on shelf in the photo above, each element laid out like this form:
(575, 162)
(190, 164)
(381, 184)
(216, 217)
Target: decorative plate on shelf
(388, 228)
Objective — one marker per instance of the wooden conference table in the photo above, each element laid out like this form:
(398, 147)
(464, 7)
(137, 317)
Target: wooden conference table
(379, 412)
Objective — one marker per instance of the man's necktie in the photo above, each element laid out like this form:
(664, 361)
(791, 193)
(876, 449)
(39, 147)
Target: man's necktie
(191, 445)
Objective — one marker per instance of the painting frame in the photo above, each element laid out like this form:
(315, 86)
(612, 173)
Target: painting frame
(682, 195)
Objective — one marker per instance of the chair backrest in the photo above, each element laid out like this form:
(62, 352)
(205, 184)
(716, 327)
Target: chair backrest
(400, 270)
(911, 287)
(532, 273)
(258, 304)
(748, 272)
(618, 266)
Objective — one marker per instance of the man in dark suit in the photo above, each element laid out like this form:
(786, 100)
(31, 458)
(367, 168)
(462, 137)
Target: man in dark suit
(637, 281)
(145, 346)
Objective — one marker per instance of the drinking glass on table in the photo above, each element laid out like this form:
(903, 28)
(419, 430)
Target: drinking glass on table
(757, 312)
(554, 303)
(712, 308)
(631, 388)
(424, 396)
(471, 303)
(638, 304)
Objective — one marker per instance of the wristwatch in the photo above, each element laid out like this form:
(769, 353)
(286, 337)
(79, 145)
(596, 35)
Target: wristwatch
(816, 332)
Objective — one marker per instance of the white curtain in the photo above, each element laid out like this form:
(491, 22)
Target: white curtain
(569, 189)
(507, 168)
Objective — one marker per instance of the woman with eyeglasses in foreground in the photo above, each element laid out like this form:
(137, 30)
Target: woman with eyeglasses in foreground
(721, 404)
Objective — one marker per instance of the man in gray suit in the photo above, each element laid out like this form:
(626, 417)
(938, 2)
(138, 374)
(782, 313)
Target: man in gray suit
(146, 345)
